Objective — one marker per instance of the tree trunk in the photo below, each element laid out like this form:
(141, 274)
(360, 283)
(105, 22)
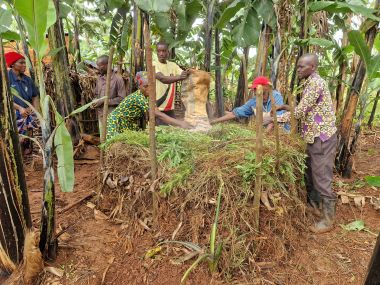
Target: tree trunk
(218, 77)
(64, 93)
(302, 49)
(373, 112)
(76, 39)
(373, 274)
(241, 89)
(263, 50)
(14, 211)
(346, 147)
(137, 56)
(208, 34)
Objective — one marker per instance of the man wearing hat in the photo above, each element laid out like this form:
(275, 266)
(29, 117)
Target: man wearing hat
(249, 108)
(27, 90)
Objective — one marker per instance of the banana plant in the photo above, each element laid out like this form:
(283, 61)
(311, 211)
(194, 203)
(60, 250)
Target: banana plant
(38, 16)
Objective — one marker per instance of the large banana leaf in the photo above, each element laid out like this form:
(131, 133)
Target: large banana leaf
(5, 20)
(247, 32)
(342, 7)
(38, 16)
(230, 12)
(152, 6)
(65, 156)
(357, 40)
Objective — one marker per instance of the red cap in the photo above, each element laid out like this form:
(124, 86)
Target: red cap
(260, 80)
(12, 57)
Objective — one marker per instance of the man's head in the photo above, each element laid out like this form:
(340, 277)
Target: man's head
(162, 51)
(267, 86)
(15, 61)
(142, 82)
(307, 65)
(102, 64)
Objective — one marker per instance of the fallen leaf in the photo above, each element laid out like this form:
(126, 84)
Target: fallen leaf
(152, 252)
(264, 199)
(90, 205)
(357, 225)
(111, 183)
(373, 180)
(359, 201)
(54, 270)
(100, 216)
(345, 199)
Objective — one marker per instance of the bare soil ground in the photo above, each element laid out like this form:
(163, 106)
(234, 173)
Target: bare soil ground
(95, 250)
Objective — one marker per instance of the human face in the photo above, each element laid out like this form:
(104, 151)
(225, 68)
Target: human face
(102, 66)
(162, 53)
(145, 90)
(305, 68)
(19, 66)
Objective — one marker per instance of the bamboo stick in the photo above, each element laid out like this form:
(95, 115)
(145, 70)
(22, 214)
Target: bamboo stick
(259, 154)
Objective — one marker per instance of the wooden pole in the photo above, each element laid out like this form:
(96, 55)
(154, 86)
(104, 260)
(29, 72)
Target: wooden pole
(373, 274)
(276, 130)
(152, 101)
(259, 154)
(108, 89)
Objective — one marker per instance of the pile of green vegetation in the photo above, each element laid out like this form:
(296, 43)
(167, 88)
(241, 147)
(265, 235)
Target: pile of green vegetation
(201, 172)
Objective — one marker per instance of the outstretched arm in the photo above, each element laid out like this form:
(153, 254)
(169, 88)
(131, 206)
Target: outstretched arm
(171, 79)
(227, 117)
(171, 121)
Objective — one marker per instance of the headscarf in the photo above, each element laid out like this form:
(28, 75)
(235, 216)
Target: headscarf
(12, 57)
(141, 78)
(260, 80)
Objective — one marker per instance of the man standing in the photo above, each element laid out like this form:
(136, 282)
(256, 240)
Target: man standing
(317, 116)
(117, 89)
(248, 109)
(167, 74)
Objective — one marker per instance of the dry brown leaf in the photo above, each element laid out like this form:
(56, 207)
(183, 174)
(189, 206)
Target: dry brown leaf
(99, 215)
(54, 270)
(265, 200)
(90, 205)
(345, 199)
(359, 201)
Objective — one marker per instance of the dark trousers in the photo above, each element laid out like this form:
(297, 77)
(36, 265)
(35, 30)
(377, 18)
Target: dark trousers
(319, 169)
(170, 113)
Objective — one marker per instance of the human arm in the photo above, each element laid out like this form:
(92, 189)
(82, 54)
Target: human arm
(171, 79)
(23, 111)
(227, 117)
(171, 121)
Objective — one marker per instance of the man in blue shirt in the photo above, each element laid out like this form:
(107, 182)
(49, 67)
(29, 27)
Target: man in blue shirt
(249, 108)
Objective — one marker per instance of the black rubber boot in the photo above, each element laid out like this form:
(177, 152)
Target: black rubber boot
(326, 224)
(314, 208)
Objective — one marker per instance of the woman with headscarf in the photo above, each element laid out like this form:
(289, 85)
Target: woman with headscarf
(128, 113)
(27, 90)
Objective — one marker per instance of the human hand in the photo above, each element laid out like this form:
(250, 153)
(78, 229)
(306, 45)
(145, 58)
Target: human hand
(184, 74)
(23, 112)
(97, 104)
(185, 125)
(29, 111)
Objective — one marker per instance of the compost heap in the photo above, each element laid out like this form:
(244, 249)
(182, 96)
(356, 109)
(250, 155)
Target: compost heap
(193, 167)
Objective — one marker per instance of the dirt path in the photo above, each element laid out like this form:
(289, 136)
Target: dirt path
(94, 249)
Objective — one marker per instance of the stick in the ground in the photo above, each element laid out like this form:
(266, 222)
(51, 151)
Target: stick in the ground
(259, 153)
(276, 131)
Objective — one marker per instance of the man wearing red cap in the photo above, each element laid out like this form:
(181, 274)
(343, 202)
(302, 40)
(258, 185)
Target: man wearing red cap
(27, 90)
(249, 108)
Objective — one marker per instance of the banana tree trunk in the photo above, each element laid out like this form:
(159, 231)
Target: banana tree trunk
(263, 50)
(64, 93)
(346, 146)
(373, 112)
(137, 55)
(218, 76)
(241, 89)
(76, 39)
(208, 34)
(373, 273)
(14, 212)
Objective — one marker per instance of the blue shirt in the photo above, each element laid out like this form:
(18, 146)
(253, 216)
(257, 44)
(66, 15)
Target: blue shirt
(246, 110)
(25, 88)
